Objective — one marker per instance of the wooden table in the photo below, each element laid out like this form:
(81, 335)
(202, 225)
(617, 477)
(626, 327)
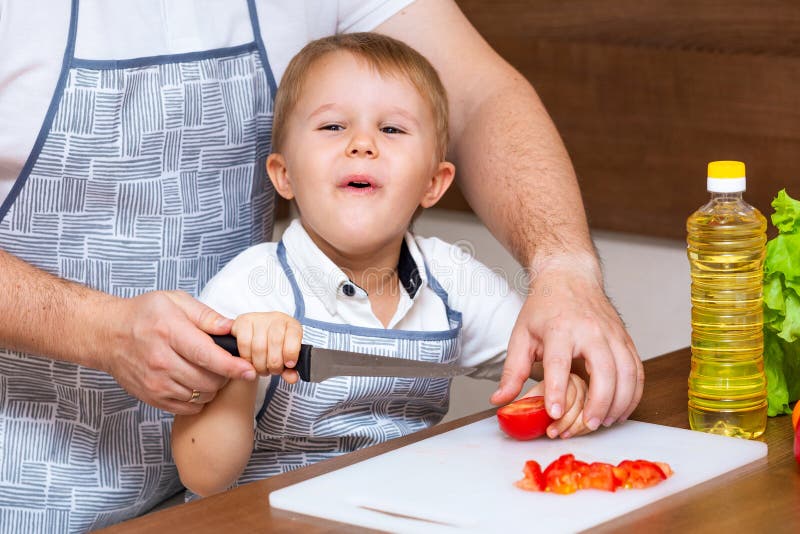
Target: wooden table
(761, 497)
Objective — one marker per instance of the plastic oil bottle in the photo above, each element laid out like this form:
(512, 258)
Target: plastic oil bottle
(726, 240)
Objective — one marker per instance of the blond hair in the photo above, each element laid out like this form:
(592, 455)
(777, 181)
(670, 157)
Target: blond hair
(386, 55)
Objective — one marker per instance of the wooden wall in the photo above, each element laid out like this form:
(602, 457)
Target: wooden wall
(646, 92)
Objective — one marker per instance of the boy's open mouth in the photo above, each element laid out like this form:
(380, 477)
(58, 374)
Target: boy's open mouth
(359, 183)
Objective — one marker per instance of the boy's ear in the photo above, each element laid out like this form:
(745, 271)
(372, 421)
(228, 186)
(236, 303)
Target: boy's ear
(439, 183)
(279, 176)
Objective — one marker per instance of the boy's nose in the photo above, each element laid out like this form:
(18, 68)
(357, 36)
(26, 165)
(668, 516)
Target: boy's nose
(362, 146)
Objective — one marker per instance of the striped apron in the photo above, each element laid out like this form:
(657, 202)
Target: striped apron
(306, 422)
(147, 174)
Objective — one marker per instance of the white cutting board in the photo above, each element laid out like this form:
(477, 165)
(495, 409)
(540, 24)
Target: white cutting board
(464, 480)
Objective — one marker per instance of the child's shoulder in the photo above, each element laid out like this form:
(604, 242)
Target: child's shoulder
(259, 252)
(457, 270)
(436, 251)
(252, 260)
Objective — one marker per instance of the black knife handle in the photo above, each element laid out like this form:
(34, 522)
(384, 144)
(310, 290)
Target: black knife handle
(303, 366)
(228, 343)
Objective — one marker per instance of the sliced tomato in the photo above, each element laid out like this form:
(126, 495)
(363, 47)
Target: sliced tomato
(620, 475)
(534, 478)
(598, 475)
(524, 419)
(641, 473)
(567, 475)
(563, 474)
(665, 468)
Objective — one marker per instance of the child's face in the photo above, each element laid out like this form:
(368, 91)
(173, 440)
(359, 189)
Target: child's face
(359, 156)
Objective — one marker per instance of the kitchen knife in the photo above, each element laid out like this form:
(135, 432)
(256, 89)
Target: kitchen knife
(315, 364)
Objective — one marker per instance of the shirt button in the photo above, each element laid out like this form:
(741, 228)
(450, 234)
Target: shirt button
(348, 290)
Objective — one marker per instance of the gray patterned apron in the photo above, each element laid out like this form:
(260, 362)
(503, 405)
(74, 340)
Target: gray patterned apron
(147, 174)
(303, 423)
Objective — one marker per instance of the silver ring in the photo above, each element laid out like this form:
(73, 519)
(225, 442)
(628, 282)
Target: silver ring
(195, 396)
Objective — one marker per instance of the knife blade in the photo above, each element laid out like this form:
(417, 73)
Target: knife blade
(315, 364)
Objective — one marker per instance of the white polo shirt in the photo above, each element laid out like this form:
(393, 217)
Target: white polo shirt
(254, 281)
(33, 36)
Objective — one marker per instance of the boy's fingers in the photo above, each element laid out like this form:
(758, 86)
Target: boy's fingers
(277, 333)
(290, 376)
(244, 337)
(577, 428)
(574, 409)
(291, 344)
(259, 348)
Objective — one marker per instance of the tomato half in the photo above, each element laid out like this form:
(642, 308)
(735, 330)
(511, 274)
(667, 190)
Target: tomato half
(524, 419)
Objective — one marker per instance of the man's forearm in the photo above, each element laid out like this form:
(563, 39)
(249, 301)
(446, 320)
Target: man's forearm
(517, 176)
(46, 315)
(510, 161)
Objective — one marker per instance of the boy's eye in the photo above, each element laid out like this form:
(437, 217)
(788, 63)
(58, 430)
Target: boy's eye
(391, 130)
(332, 127)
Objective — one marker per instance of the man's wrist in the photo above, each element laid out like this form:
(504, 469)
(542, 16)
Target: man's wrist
(574, 262)
(97, 328)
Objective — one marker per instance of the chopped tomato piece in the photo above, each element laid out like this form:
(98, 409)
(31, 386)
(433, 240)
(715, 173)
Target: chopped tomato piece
(620, 475)
(598, 475)
(641, 473)
(665, 468)
(524, 419)
(534, 478)
(563, 474)
(567, 475)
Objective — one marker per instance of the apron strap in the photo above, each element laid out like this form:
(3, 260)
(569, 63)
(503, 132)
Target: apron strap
(69, 53)
(262, 50)
(299, 303)
(453, 315)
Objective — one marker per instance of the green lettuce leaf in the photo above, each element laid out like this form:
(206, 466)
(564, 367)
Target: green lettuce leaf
(782, 307)
(777, 390)
(787, 213)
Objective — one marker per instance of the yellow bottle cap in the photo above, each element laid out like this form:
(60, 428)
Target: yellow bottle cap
(726, 169)
(726, 177)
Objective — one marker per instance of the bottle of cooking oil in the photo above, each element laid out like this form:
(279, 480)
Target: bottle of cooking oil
(726, 239)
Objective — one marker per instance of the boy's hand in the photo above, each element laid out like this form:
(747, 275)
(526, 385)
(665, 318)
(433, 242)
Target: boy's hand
(571, 423)
(270, 341)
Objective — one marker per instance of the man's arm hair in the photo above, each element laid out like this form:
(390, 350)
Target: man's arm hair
(47, 315)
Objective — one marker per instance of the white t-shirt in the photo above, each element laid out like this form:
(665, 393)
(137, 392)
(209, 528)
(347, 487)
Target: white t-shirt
(33, 36)
(254, 281)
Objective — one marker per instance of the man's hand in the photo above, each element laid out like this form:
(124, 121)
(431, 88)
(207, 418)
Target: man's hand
(161, 353)
(516, 174)
(566, 316)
